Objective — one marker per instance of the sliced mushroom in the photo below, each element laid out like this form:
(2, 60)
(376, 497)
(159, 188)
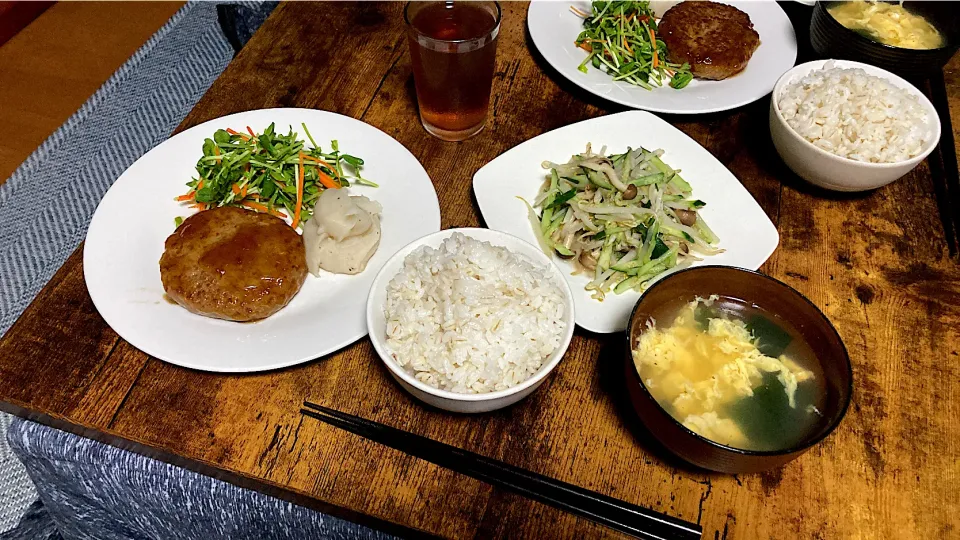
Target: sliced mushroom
(687, 217)
(630, 193)
(684, 248)
(587, 260)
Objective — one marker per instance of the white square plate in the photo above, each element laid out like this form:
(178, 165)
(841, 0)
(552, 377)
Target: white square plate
(746, 234)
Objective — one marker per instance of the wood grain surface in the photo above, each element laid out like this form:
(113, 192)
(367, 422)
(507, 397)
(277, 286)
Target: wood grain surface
(876, 263)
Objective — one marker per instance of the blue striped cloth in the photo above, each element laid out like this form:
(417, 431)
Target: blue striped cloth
(46, 206)
(91, 490)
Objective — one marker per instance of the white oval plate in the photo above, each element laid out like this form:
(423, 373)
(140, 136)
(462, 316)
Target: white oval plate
(745, 231)
(126, 239)
(554, 27)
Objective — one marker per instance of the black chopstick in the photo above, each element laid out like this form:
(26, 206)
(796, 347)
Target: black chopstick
(614, 513)
(943, 165)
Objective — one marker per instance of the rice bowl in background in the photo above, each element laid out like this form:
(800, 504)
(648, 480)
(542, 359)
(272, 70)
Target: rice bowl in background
(817, 165)
(855, 115)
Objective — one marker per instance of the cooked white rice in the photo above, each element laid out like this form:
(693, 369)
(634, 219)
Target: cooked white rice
(854, 115)
(471, 317)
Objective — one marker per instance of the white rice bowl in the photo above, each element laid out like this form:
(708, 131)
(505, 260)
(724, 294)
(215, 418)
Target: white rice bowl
(470, 317)
(855, 115)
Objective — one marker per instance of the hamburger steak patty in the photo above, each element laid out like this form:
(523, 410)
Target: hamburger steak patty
(717, 40)
(234, 264)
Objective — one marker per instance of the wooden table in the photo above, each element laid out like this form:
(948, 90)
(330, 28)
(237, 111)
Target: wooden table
(876, 263)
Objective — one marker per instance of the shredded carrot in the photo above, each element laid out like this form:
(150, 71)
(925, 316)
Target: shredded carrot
(296, 211)
(578, 12)
(325, 179)
(320, 161)
(653, 41)
(252, 134)
(261, 208)
(199, 206)
(243, 192)
(192, 193)
(234, 132)
(235, 188)
(216, 150)
(584, 46)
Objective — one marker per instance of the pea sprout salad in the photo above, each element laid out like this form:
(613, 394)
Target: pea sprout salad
(622, 218)
(621, 38)
(269, 172)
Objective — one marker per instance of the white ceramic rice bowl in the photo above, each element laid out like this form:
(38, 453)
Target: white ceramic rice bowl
(453, 401)
(830, 171)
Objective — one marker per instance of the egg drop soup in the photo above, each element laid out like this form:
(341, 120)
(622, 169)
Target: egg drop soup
(732, 373)
(887, 23)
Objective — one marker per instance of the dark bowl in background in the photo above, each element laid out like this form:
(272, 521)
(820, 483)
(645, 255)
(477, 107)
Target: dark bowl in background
(772, 296)
(830, 39)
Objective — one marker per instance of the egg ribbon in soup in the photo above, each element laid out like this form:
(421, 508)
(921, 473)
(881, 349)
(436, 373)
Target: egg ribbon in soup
(886, 23)
(709, 372)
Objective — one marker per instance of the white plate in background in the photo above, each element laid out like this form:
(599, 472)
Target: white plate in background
(553, 28)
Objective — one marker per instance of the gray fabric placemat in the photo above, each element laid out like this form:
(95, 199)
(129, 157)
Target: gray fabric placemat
(46, 205)
(16, 489)
(93, 491)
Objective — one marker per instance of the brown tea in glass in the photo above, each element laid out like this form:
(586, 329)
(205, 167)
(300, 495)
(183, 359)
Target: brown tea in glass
(453, 46)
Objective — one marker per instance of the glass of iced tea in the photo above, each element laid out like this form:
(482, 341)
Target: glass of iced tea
(453, 46)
